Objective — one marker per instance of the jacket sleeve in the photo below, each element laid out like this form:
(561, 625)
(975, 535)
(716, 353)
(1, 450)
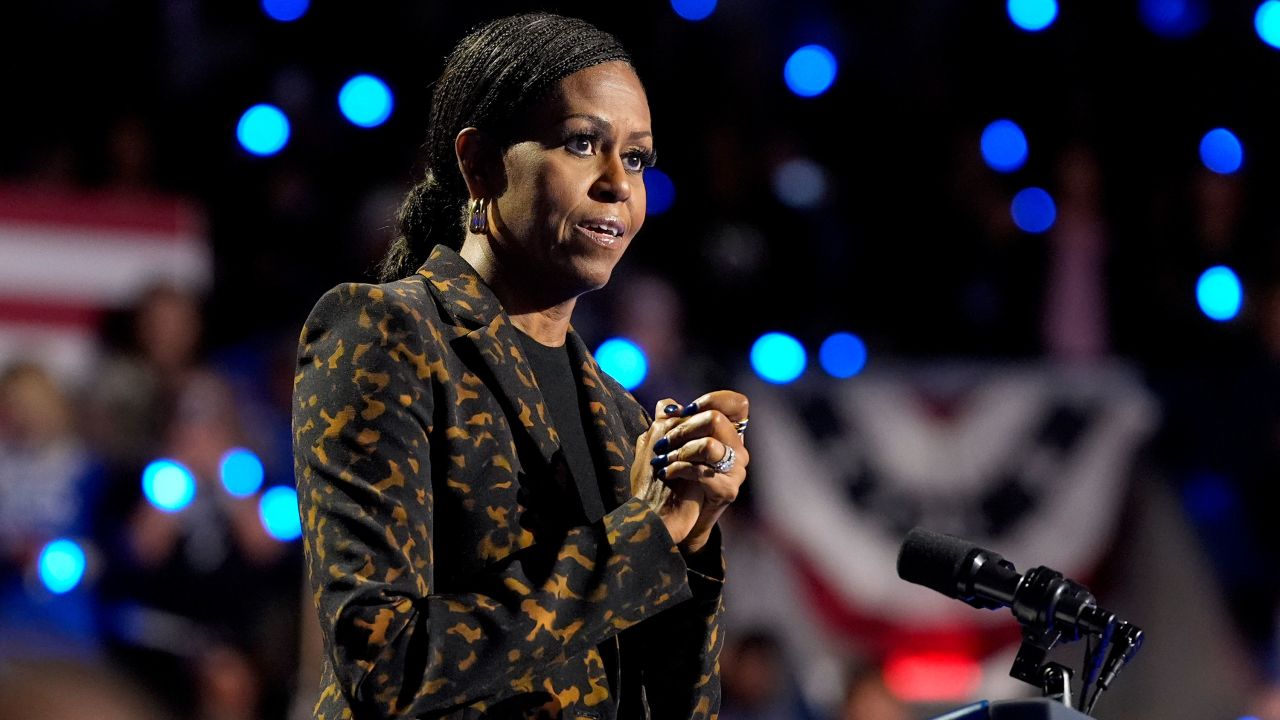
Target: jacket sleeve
(363, 399)
(679, 649)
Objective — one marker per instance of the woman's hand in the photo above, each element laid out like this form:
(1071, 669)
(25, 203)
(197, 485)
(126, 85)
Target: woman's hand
(680, 449)
(704, 437)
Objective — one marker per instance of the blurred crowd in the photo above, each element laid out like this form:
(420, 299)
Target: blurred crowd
(201, 613)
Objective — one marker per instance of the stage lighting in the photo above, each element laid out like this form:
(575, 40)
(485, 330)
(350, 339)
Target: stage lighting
(263, 130)
(1004, 146)
(366, 101)
(241, 472)
(1174, 19)
(1267, 22)
(624, 361)
(285, 10)
(660, 190)
(694, 9)
(168, 485)
(778, 358)
(810, 71)
(278, 511)
(1033, 15)
(800, 183)
(1221, 151)
(61, 565)
(1033, 210)
(1219, 293)
(843, 355)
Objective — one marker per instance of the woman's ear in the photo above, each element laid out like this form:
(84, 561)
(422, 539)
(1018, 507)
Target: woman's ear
(480, 162)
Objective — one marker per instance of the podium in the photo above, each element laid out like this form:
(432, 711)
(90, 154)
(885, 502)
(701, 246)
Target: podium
(1037, 709)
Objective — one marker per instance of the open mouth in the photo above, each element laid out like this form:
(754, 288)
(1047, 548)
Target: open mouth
(607, 232)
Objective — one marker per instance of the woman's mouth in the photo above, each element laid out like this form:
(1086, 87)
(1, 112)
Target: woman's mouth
(603, 231)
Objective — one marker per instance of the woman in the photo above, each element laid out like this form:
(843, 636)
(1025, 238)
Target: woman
(494, 527)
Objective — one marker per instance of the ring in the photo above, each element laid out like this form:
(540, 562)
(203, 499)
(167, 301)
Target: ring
(740, 426)
(726, 462)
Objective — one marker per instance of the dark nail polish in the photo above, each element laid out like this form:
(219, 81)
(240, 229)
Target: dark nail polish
(691, 408)
(671, 409)
(661, 473)
(659, 460)
(661, 446)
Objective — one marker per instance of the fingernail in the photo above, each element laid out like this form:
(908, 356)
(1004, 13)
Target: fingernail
(671, 409)
(659, 460)
(661, 473)
(691, 408)
(661, 446)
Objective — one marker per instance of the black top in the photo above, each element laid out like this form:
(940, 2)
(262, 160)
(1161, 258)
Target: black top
(554, 372)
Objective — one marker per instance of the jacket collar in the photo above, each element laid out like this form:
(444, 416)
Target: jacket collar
(486, 339)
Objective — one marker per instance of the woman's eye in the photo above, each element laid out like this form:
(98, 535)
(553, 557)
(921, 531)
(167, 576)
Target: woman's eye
(580, 144)
(634, 162)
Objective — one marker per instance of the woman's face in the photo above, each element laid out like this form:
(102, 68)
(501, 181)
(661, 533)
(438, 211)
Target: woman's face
(574, 194)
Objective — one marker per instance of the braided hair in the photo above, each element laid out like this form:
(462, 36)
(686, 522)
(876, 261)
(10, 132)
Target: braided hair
(489, 81)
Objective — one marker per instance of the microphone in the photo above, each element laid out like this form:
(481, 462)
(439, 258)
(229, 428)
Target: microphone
(1042, 598)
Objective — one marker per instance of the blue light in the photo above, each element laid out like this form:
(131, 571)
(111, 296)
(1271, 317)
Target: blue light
(778, 358)
(1004, 146)
(1033, 210)
(624, 361)
(810, 71)
(800, 183)
(1033, 15)
(365, 100)
(61, 565)
(285, 10)
(661, 191)
(1221, 151)
(843, 355)
(1267, 22)
(1219, 293)
(1174, 18)
(278, 511)
(241, 472)
(168, 485)
(263, 130)
(694, 9)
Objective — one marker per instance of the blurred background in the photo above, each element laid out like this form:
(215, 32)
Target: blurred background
(1007, 270)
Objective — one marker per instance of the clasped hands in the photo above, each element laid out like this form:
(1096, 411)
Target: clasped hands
(681, 449)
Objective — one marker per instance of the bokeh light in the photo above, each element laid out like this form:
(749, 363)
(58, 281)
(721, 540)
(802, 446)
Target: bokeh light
(624, 360)
(1004, 146)
(800, 183)
(778, 358)
(61, 565)
(660, 190)
(1033, 15)
(278, 511)
(365, 101)
(1219, 293)
(1033, 210)
(694, 9)
(168, 485)
(1221, 151)
(1267, 22)
(285, 10)
(263, 130)
(1174, 19)
(810, 71)
(241, 472)
(843, 355)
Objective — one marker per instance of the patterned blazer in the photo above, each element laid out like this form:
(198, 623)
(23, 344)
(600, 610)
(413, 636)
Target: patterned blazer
(451, 562)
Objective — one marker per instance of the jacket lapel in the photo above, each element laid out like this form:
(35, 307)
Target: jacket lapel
(487, 342)
(609, 432)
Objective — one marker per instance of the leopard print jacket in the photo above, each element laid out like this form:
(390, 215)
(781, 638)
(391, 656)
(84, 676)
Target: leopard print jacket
(452, 567)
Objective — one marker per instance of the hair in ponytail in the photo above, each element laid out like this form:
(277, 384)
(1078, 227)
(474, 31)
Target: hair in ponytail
(489, 80)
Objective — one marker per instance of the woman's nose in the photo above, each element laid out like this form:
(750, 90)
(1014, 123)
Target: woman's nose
(614, 183)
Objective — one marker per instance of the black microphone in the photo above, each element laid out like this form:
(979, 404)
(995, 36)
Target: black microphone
(1042, 598)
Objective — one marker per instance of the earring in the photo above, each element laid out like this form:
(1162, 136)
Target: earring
(479, 223)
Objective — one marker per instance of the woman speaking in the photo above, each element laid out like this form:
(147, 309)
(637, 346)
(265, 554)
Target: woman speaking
(494, 527)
